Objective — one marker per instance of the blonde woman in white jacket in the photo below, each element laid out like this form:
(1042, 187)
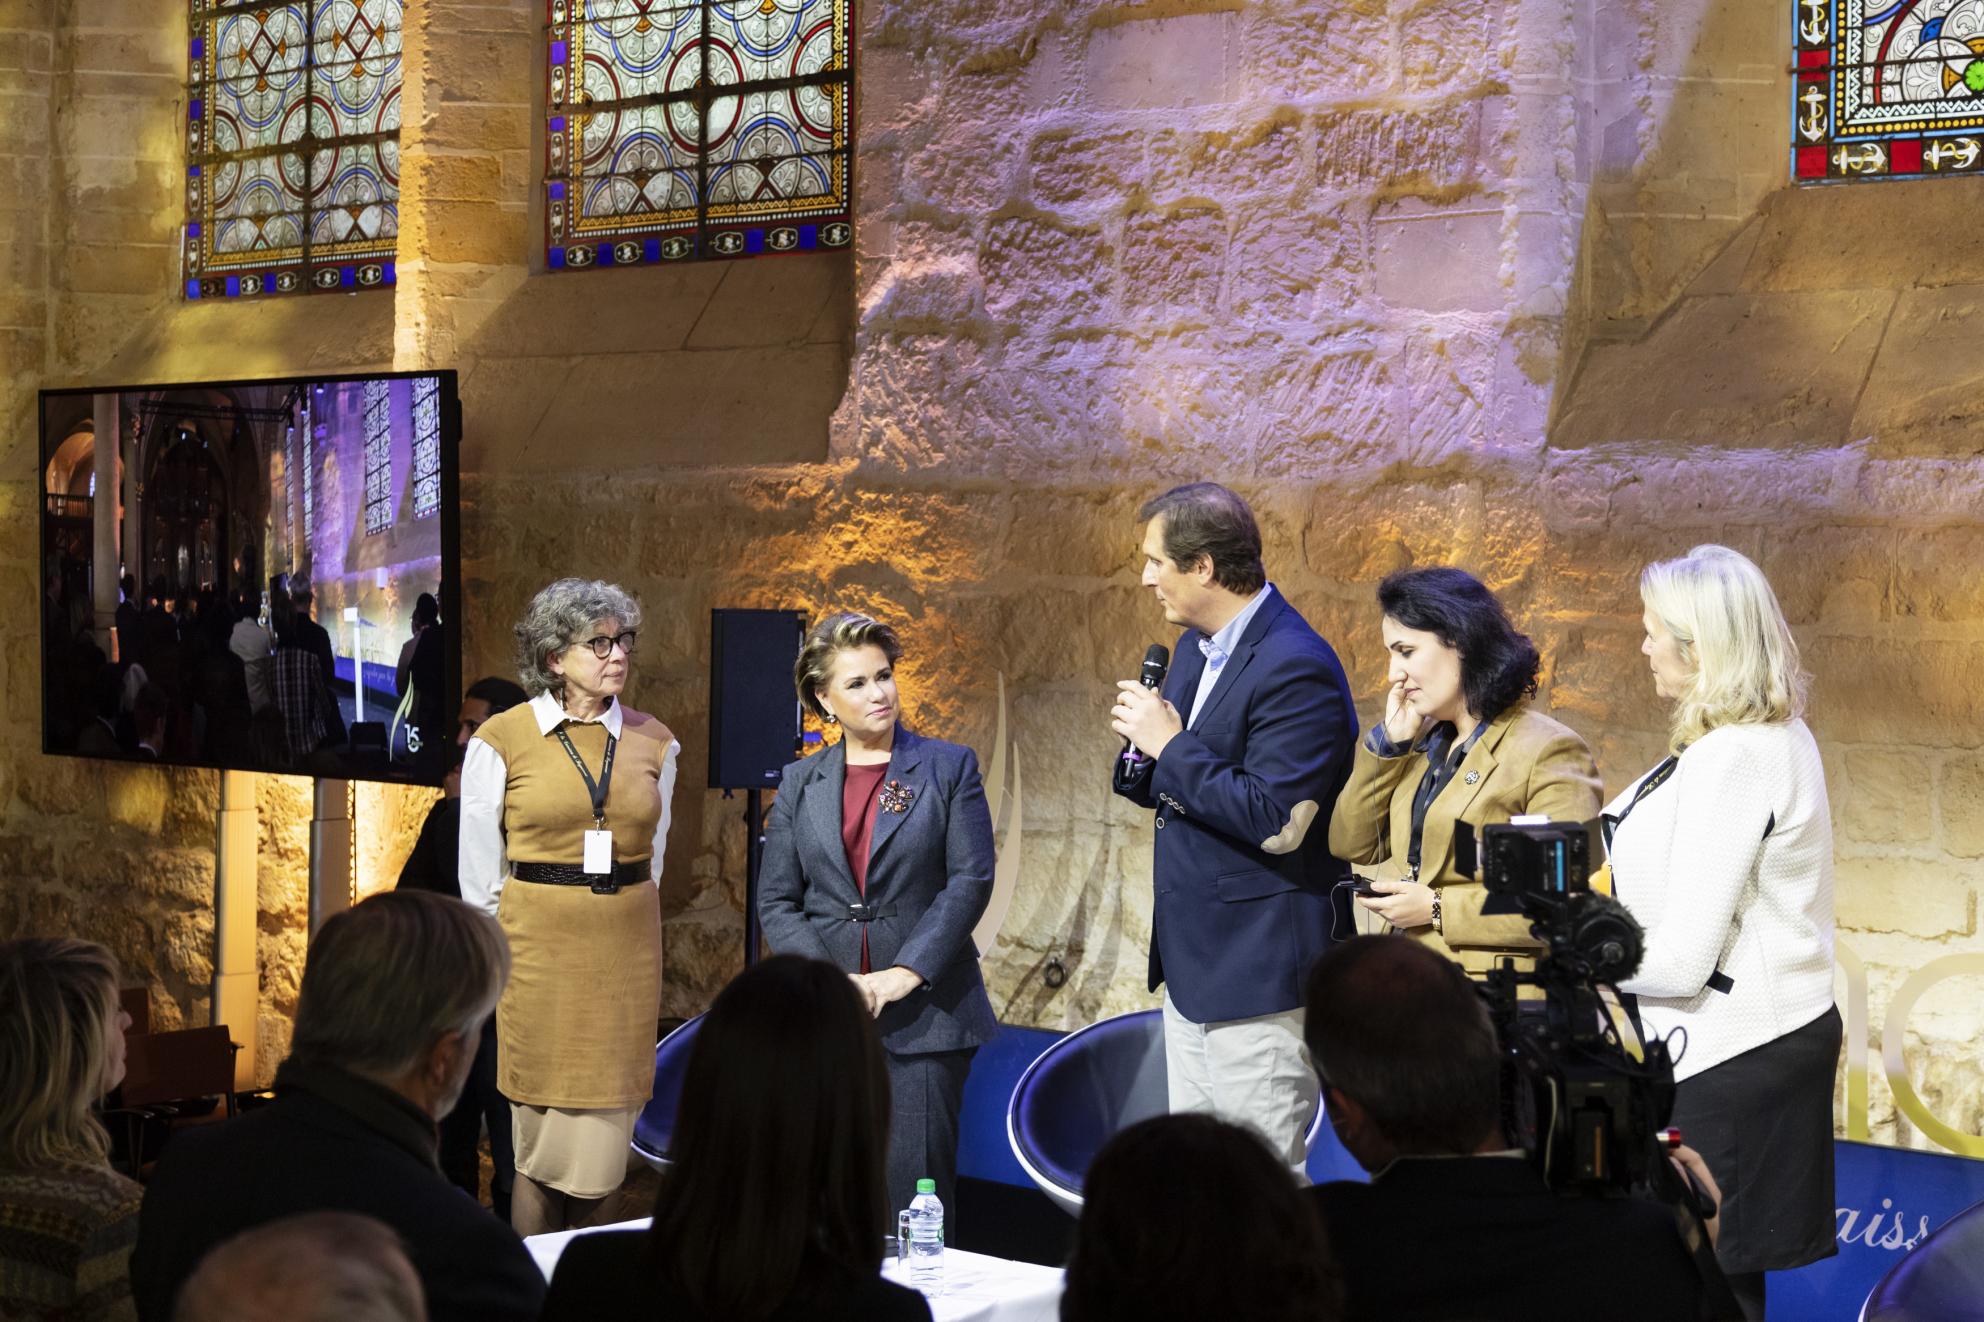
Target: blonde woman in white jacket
(1724, 854)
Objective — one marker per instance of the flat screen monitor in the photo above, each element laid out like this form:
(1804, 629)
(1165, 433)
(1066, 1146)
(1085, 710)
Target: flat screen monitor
(254, 575)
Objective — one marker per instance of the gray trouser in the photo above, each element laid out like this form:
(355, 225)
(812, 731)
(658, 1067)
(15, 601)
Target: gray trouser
(1253, 1072)
(926, 1093)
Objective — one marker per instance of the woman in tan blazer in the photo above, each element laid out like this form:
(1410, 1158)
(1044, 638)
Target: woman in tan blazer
(1458, 742)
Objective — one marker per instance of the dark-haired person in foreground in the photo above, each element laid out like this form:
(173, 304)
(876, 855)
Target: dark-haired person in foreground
(775, 1204)
(1455, 1223)
(387, 1022)
(1240, 759)
(434, 865)
(1188, 1218)
(1458, 743)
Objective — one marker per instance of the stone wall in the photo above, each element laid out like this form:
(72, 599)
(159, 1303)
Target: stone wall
(1512, 284)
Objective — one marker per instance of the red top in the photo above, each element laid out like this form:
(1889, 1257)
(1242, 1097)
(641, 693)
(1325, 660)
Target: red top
(857, 827)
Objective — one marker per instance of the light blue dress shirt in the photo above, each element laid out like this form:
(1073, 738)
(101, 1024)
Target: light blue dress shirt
(1218, 648)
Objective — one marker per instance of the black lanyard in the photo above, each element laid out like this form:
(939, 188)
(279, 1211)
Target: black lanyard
(597, 789)
(1654, 780)
(1440, 771)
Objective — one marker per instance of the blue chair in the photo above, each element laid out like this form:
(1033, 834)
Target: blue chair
(655, 1126)
(1081, 1091)
(1938, 1279)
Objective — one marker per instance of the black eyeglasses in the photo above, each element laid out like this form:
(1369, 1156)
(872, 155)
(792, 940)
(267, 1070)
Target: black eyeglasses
(602, 645)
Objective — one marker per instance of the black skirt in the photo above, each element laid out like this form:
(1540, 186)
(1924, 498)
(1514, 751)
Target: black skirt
(1763, 1123)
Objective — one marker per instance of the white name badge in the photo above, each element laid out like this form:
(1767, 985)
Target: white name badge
(599, 853)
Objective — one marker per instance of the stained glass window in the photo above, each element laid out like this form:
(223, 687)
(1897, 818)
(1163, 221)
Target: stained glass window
(292, 144)
(1887, 87)
(682, 129)
(378, 422)
(426, 447)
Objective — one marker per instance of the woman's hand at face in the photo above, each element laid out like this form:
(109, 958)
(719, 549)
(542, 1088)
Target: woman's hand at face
(1401, 903)
(1403, 723)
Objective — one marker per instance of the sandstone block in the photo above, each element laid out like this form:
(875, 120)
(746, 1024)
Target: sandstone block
(1882, 895)
(1884, 799)
(1435, 150)
(1929, 691)
(1288, 49)
(1960, 805)
(1160, 63)
(1172, 264)
(1912, 406)
(1439, 260)
(1042, 272)
(1085, 171)
(1843, 577)
(1448, 44)
(1296, 268)
(1216, 165)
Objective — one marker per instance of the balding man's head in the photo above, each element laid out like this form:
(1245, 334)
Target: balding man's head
(1403, 1043)
(318, 1267)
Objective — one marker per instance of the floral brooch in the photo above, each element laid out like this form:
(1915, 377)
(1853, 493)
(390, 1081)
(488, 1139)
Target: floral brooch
(895, 797)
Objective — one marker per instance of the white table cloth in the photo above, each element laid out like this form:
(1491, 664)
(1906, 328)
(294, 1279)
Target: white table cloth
(976, 1288)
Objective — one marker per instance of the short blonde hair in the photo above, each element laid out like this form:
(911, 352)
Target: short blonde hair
(58, 997)
(1722, 612)
(833, 635)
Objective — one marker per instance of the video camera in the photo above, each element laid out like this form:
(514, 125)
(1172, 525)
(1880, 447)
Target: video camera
(1574, 1097)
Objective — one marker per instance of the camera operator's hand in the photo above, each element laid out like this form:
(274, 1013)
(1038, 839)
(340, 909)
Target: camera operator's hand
(1401, 903)
(1403, 722)
(1694, 1170)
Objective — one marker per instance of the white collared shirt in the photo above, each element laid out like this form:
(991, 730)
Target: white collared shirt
(1218, 648)
(482, 861)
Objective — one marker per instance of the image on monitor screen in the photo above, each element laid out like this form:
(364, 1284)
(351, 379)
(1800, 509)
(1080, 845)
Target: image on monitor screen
(253, 575)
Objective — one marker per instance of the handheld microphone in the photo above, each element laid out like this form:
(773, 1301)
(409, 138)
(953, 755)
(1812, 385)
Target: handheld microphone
(1151, 676)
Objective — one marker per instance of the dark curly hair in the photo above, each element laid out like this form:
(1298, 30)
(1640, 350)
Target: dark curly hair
(1498, 665)
(1187, 1217)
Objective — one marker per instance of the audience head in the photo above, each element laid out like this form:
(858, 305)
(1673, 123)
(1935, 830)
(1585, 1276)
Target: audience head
(1407, 1055)
(148, 711)
(554, 639)
(485, 697)
(1201, 547)
(1447, 636)
(61, 1048)
(300, 595)
(779, 1143)
(846, 673)
(316, 1267)
(1188, 1217)
(1718, 644)
(397, 987)
(426, 611)
(128, 585)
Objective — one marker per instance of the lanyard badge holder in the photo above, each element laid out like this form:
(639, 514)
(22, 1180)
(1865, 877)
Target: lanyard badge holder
(598, 864)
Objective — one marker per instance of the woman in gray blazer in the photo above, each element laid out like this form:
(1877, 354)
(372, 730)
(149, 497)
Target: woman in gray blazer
(878, 859)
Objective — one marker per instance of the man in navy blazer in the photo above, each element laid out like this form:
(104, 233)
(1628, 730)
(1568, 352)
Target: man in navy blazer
(1241, 758)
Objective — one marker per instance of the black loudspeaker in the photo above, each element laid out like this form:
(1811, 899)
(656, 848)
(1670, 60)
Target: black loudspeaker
(754, 712)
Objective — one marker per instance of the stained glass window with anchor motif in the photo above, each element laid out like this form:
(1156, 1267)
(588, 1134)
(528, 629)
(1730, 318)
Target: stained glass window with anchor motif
(292, 136)
(683, 129)
(1887, 88)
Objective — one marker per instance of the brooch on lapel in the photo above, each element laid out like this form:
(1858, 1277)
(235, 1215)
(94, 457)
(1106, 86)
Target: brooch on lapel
(895, 797)
(1471, 777)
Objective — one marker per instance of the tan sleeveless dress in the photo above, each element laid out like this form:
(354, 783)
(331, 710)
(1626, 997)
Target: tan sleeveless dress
(576, 1024)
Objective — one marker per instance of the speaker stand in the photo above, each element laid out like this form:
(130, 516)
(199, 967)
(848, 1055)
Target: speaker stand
(754, 859)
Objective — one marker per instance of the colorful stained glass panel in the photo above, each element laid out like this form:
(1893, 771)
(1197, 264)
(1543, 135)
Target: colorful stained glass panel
(378, 424)
(293, 118)
(426, 447)
(711, 128)
(1887, 88)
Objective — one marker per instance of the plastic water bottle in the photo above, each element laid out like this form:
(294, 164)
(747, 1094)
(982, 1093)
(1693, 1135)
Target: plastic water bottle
(926, 1238)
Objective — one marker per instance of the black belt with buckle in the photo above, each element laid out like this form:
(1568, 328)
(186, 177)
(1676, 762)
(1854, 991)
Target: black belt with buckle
(868, 913)
(571, 874)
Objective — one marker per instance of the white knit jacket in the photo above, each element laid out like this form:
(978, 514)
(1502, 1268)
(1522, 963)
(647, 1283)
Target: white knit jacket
(1728, 866)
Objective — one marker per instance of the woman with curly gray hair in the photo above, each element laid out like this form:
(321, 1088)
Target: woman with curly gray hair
(569, 793)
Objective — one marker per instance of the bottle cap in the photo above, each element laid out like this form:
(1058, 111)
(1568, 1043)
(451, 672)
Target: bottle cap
(926, 1186)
